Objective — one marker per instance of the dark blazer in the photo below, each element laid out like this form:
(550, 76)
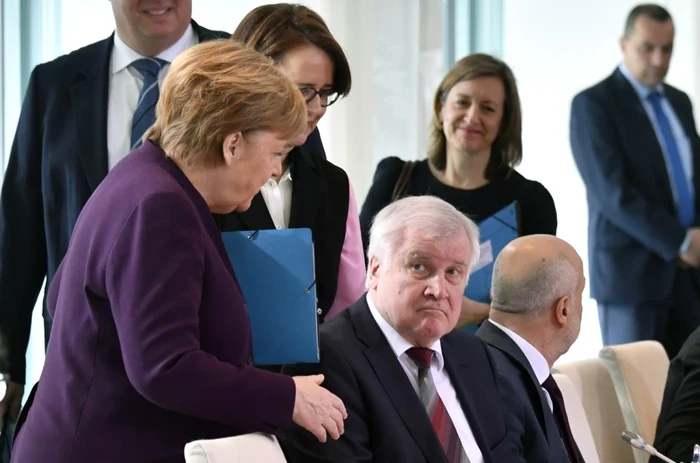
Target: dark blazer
(530, 419)
(151, 339)
(320, 196)
(58, 157)
(633, 232)
(678, 428)
(386, 419)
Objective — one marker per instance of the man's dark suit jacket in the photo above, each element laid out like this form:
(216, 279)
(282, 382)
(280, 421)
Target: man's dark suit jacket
(530, 419)
(386, 419)
(678, 428)
(320, 199)
(58, 157)
(151, 344)
(633, 231)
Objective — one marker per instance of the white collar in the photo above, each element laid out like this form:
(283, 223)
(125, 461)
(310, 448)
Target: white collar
(397, 342)
(286, 177)
(640, 89)
(123, 55)
(537, 361)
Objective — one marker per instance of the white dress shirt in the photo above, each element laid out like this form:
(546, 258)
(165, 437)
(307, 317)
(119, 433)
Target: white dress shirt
(125, 84)
(537, 361)
(278, 199)
(442, 381)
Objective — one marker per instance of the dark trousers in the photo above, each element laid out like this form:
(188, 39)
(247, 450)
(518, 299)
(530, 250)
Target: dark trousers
(669, 321)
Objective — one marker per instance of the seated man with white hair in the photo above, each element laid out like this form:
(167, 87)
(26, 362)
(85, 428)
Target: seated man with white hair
(414, 389)
(535, 317)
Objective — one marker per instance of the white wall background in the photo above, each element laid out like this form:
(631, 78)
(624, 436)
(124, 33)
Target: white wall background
(556, 49)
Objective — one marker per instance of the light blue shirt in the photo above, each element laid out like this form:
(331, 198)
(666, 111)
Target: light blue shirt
(682, 141)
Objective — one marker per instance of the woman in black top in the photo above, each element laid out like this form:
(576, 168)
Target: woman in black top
(475, 143)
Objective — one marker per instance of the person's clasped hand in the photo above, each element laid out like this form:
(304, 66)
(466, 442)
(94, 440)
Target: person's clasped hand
(317, 410)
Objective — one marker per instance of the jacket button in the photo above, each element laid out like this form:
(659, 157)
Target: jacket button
(319, 311)
(250, 360)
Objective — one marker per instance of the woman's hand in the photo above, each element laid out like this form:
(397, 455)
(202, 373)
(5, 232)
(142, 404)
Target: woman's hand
(472, 312)
(317, 410)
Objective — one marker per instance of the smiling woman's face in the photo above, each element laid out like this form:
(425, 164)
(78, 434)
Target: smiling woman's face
(472, 114)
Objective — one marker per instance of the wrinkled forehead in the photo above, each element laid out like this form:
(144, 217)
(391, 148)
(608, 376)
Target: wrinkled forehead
(450, 250)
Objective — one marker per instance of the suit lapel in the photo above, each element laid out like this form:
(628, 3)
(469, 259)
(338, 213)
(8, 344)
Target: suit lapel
(307, 190)
(463, 382)
(393, 379)
(89, 98)
(645, 138)
(495, 337)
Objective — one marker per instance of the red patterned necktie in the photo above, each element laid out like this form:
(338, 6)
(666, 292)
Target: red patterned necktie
(440, 419)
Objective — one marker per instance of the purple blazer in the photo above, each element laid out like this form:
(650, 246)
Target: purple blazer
(151, 343)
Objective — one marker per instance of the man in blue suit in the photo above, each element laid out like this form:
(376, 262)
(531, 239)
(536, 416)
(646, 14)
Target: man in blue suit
(636, 147)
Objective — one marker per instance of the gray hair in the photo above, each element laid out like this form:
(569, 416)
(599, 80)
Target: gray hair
(437, 219)
(530, 294)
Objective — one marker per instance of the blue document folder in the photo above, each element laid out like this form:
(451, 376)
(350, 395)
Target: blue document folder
(275, 269)
(495, 233)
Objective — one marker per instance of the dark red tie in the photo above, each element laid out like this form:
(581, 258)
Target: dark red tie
(560, 416)
(440, 419)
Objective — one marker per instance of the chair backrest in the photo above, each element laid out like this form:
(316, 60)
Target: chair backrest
(639, 371)
(249, 448)
(577, 418)
(595, 388)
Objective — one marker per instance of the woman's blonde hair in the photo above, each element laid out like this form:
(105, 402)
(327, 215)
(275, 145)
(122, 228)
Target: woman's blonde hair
(506, 151)
(218, 88)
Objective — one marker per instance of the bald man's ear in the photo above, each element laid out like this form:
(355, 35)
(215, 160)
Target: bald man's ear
(561, 310)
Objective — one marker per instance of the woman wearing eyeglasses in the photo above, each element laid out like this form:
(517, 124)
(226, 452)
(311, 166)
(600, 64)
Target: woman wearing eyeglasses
(311, 192)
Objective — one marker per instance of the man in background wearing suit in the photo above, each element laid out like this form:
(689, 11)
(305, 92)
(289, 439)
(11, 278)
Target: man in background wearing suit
(636, 147)
(537, 291)
(678, 428)
(82, 113)
(415, 390)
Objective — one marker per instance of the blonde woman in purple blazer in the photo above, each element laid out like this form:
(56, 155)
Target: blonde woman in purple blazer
(151, 342)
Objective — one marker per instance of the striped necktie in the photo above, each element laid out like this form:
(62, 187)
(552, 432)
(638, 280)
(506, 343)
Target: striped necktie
(439, 418)
(145, 113)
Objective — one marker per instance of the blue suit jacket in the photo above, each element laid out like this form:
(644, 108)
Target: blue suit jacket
(634, 234)
(151, 343)
(58, 158)
(386, 419)
(530, 419)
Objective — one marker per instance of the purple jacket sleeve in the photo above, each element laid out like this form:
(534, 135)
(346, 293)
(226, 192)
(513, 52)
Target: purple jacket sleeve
(155, 285)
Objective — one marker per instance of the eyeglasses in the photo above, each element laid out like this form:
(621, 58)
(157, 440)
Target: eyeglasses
(328, 96)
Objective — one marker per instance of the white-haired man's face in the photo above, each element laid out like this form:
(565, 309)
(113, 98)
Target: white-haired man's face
(419, 288)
